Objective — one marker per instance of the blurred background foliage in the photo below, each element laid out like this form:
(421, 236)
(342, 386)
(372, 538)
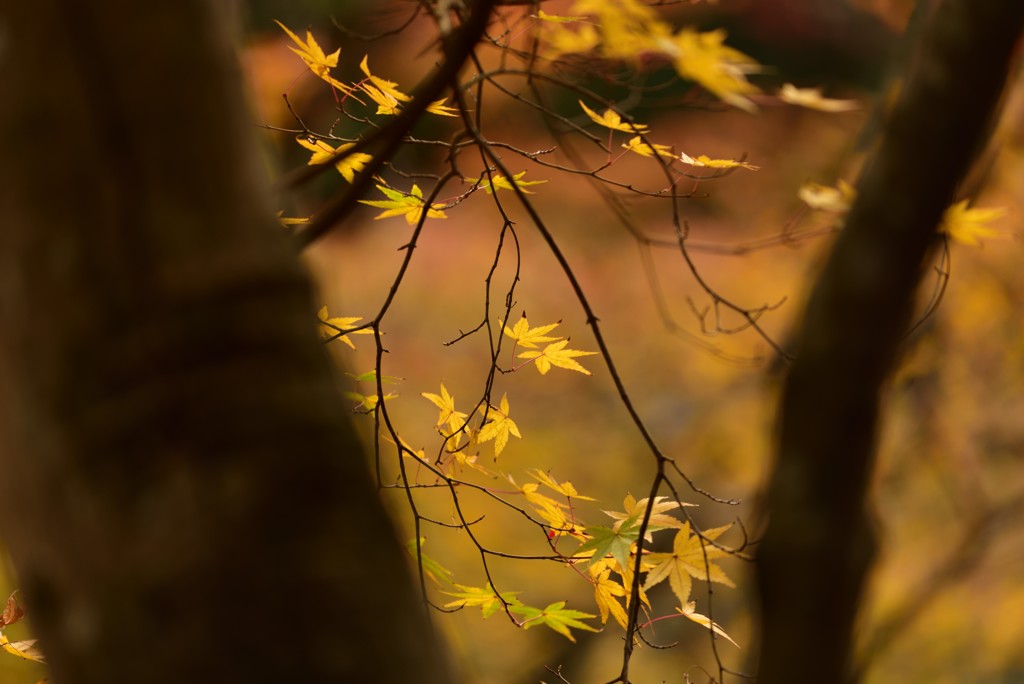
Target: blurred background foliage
(946, 602)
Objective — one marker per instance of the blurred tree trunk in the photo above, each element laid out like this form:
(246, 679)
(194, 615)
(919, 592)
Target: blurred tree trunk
(819, 542)
(181, 493)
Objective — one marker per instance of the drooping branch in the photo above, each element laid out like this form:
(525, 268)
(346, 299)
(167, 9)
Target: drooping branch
(457, 46)
(819, 545)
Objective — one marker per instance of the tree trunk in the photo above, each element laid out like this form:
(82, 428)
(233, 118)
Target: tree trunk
(182, 495)
(819, 542)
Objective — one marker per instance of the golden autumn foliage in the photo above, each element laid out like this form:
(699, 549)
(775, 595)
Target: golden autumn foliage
(618, 175)
(608, 549)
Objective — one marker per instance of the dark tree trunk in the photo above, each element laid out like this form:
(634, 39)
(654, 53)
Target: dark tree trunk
(819, 542)
(181, 493)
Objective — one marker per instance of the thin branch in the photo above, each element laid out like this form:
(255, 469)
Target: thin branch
(385, 141)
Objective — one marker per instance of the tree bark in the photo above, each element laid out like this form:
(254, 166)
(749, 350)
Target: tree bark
(182, 495)
(819, 542)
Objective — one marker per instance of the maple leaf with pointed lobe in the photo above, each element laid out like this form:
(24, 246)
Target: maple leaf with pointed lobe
(449, 421)
(556, 616)
(969, 225)
(564, 488)
(637, 145)
(525, 336)
(412, 205)
(691, 557)
(704, 160)
(498, 426)
(555, 354)
(499, 182)
(348, 166)
(606, 594)
(338, 328)
(612, 120)
(690, 611)
(310, 52)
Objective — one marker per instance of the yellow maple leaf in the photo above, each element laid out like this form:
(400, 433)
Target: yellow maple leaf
(498, 426)
(969, 226)
(411, 205)
(337, 328)
(406, 449)
(553, 512)
(499, 182)
(611, 119)
(704, 160)
(441, 109)
(385, 93)
(703, 57)
(386, 103)
(310, 52)
(606, 591)
(563, 41)
(636, 144)
(659, 520)
(626, 573)
(629, 28)
(813, 99)
(461, 458)
(449, 421)
(348, 166)
(565, 488)
(525, 336)
(23, 649)
(837, 199)
(691, 557)
(389, 87)
(544, 16)
(555, 354)
(690, 611)
(289, 221)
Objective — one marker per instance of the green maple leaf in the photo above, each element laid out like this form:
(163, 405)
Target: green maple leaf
(434, 570)
(614, 541)
(556, 616)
